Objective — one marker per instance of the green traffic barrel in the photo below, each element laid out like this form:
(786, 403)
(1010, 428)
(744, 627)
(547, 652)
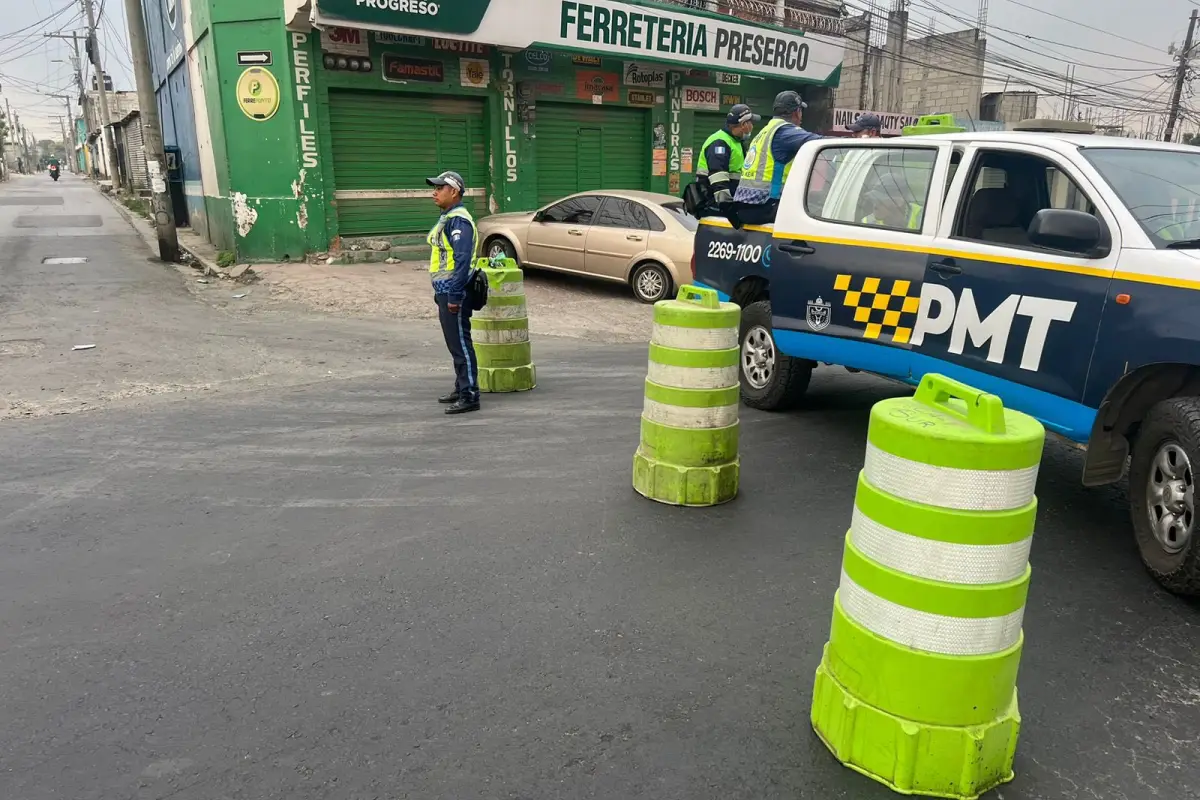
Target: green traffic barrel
(688, 454)
(501, 331)
(917, 685)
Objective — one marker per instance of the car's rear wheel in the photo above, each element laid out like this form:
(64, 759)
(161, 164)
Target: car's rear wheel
(499, 247)
(651, 282)
(1162, 493)
(771, 380)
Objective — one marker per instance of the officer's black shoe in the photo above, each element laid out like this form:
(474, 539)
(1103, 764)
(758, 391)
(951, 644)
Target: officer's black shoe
(462, 406)
(449, 398)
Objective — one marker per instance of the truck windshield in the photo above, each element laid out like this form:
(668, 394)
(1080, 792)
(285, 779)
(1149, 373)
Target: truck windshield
(1161, 188)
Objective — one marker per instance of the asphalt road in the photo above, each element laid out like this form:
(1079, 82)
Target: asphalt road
(326, 589)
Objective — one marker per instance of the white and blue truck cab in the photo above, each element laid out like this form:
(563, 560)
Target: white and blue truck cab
(1059, 271)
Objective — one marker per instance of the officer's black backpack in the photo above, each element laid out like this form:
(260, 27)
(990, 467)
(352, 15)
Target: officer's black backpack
(477, 290)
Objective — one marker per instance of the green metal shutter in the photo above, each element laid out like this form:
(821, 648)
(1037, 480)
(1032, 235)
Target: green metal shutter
(390, 143)
(581, 148)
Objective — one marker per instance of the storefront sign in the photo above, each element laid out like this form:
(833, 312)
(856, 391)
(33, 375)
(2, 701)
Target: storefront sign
(638, 98)
(686, 159)
(843, 118)
(302, 74)
(729, 79)
(474, 73)
(345, 42)
(382, 37)
(730, 99)
(646, 75)
(590, 84)
(658, 162)
(454, 46)
(676, 104)
(258, 94)
(510, 112)
(702, 98)
(586, 61)
(609, 27)
(538, 60)
(402, 69)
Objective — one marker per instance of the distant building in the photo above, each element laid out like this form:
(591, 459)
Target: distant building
(1008, 107)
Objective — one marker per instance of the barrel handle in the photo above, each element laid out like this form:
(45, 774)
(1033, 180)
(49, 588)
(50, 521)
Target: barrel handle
(983, 411)
(700, 295)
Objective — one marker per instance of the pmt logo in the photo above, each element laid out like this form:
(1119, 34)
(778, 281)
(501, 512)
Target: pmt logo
(896, 313)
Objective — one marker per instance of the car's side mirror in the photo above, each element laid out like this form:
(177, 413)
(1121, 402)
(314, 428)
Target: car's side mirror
(1069, 230)
(539, 216)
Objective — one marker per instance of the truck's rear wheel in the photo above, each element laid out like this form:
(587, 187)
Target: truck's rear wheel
(771, 380)
(1162, 483)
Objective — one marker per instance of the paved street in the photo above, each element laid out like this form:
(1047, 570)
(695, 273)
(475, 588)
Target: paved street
(265, 565)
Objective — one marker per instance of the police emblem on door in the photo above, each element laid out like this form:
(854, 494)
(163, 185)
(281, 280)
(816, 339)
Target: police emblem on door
(818, 314)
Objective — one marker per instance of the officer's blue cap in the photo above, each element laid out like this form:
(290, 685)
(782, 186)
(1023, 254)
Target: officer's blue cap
(448, 179)
(787, 102)
(867, 122)
(741, 113)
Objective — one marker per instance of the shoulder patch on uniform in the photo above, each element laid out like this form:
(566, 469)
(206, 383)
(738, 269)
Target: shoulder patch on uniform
(719, 149)
(454, 234)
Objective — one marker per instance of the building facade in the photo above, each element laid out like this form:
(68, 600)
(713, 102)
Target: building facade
(321, 124)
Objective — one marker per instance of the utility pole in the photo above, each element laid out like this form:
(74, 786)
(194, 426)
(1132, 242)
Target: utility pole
(110, 149)
(69, 149)
(865, 77)
(899, 106)
(156, 159)
(1185, 57)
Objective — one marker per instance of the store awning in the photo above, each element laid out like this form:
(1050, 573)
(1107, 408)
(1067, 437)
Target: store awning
(677, 36)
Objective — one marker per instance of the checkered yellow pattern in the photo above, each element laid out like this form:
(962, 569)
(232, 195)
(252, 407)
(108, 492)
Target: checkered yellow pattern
(881, 312)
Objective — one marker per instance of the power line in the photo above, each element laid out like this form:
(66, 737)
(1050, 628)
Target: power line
(1085, 25)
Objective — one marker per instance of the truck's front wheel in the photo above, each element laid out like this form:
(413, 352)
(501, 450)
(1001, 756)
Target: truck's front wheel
(771, 380)
(1162, 485)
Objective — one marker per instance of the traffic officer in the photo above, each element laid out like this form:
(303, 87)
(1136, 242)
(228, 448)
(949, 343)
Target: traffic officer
(867, 126)
(769, 160)
(453, 241)
(723, 154)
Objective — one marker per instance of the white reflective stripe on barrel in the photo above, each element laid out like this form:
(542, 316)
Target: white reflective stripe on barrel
(488, 336)
(949, 562)
(507, 289)
(694, 338)
(502, 312)
(686, 417)
(933, 633)
(950, 487)
(692, 377)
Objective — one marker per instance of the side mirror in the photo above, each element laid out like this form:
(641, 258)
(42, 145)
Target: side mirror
(1069, 230)
(539, 216)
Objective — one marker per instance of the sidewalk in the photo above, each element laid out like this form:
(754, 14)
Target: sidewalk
(559, 305)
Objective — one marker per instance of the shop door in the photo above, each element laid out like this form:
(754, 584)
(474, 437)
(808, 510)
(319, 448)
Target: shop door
(704, 125)
(384, 147)
(584, 148)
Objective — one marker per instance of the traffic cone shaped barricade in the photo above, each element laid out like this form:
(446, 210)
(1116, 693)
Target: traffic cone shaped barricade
(501, 331)
(688, 454)
(917, 686)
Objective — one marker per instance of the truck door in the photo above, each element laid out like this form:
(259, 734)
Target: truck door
(850, 251)
(1005, 315)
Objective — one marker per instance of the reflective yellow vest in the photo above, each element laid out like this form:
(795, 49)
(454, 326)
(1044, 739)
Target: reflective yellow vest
(441, 260)
(758, 174)
(914, 217)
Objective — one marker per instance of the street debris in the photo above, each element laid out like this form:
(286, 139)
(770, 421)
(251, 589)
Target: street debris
(201, 280)
(239, 271)
(83, 347)
(240, 296)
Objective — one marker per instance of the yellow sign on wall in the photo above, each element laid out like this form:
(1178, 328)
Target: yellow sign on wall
(258, 94)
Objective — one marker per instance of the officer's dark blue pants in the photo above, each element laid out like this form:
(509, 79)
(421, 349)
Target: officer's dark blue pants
(456, 328)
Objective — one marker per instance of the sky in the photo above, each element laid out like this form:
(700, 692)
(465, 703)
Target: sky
(1118, 50)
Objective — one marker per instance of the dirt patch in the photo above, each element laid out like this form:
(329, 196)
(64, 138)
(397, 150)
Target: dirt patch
(559, 305)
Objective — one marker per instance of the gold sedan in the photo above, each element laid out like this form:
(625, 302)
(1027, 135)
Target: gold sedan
(639, 238)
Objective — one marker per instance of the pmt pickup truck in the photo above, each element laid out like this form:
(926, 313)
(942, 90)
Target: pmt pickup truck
(1058, 271)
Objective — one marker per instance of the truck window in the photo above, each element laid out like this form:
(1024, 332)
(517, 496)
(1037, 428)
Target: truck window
(1006, 190)
(1161, 188)
(875, 187)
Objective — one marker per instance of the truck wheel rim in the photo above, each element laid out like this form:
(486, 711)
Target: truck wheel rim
(1170, 497)
(650, 284)
(758, 357)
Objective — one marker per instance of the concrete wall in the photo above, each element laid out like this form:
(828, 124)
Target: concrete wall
(849, 93)
(943, 74)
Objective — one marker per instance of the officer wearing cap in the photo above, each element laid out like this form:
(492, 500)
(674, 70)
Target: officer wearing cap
(453, 241)
(867, 126)
(769, 160)
(723, 154)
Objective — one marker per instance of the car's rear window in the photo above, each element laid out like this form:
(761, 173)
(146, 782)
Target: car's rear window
(682, 217)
